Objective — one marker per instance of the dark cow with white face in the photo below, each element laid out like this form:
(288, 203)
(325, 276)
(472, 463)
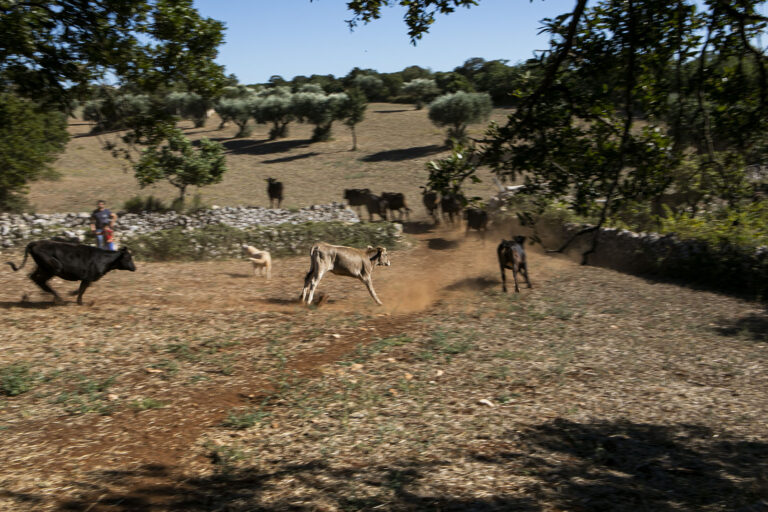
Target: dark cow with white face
(73, 262)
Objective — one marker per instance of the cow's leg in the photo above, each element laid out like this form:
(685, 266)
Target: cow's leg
(524, 271)
(369, 284)
(40, 277)
(279, 201)
(313, 285)
(503, 277)
(307, 284)
(514, 275)
(268, 271)
(83, 286)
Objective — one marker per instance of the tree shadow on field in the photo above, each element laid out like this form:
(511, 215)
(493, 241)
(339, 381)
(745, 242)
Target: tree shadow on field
(316, 484)
(397, 155)
(393, 111)
(260, 147)
(753, 326)
(625, 466)
(290, 158)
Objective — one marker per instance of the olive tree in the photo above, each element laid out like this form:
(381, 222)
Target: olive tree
(420, 91)
(319, 109)
(274, 106)
(189, 105)
(353, 112)
(237, 110)
(117, 112)
(459, 109)
(175, 159)
(372, 86)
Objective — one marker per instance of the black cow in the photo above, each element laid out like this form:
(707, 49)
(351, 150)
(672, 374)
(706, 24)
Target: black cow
(73, 262)
(275, 191)
(429, 198)
(357, 197)
(451, 205)
(396, 202)
(476, 219)
(376, 205)
(511, 255)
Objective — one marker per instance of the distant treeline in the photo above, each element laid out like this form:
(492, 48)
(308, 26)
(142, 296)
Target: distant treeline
(496, 77)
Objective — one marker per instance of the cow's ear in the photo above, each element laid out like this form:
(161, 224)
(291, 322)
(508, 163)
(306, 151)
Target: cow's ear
(370, 247)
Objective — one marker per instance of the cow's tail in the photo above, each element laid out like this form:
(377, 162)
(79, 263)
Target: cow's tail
(23, 262)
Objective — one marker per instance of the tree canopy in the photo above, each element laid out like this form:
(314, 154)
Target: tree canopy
(632, 98)
(56, 52)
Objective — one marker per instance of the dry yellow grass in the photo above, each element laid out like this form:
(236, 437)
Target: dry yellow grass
(394, 143)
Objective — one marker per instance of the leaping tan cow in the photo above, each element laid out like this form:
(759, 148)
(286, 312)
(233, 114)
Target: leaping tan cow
(343, 261)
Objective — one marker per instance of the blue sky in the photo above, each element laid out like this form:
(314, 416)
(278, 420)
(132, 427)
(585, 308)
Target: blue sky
(299, 37)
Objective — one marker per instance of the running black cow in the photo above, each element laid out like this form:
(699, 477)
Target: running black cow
(73, 262)
(429, 198)
(396, 203)
(511, 255)
(275, 191)
(477, 219)
(451, 204)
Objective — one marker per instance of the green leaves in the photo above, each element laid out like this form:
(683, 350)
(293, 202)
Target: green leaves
(30, 140)
(174, 158)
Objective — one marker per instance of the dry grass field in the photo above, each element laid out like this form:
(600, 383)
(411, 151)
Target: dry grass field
(394, 143)
(199, 387)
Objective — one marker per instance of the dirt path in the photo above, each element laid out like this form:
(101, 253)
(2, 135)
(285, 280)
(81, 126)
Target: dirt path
(217, 296)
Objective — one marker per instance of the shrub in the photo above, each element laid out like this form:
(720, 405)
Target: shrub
(138, 204)
(16, 379)
(219, 241)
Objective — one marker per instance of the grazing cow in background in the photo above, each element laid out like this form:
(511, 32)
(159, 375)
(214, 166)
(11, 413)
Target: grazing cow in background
(260, 260)
(476, 219)
(396, 202)
(511, 255)
(357, 197)
(73, 262)
(451, 205)
(275, 191)
(429, 198)
(343, 261)
(376, 205)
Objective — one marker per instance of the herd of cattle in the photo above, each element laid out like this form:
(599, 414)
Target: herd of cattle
(87, 264)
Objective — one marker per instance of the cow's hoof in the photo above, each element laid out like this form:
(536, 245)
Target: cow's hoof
(321, 299)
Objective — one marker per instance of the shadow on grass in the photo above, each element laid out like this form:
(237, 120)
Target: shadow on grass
(625, 466)
(556, 465)
(237, 275)
(397, 155)
(260, 147)
(23, 304)
(290, 158)
(240, 490)
(392, 111)
(753, 326)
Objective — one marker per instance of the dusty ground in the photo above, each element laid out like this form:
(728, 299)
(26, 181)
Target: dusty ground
(195, 386)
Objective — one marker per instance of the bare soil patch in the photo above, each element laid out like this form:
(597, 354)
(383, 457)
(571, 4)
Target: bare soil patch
(194, 386)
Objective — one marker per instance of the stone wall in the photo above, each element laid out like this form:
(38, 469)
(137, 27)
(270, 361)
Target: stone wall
(17, 230)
